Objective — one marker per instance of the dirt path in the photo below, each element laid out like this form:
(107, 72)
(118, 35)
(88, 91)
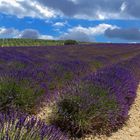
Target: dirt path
(131, 131)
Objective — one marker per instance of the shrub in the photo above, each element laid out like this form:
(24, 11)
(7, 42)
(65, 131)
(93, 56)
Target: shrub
(70, 42)
(97, 104)
(19, 92)
(21, 127)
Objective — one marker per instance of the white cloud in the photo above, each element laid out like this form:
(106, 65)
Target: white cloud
(83, 9)
(96, 30)
(123, 6)
(60, 24)
(22, 8)
(87, 33)
(78, 33)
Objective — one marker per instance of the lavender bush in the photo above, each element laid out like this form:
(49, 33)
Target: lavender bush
(20, 92)
(98, 103)
(21, 127)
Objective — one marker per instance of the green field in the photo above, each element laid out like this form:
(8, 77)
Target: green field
(29, 42)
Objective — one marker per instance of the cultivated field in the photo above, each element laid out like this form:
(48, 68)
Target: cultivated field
(28, 42)
(69, 92)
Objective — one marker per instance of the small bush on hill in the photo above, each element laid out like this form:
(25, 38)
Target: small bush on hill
(70, 42)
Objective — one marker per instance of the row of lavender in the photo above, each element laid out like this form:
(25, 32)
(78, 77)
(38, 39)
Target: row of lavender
(85, 104)
(98, 103)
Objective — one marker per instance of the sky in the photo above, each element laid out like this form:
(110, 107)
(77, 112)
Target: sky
(116, 21)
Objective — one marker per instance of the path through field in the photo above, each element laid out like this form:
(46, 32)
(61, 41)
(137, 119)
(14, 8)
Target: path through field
(131, 131)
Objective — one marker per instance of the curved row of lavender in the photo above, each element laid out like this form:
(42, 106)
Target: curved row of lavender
(86, 100)
(98, 103)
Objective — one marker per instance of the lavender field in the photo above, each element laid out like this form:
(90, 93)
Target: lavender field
(87, 90)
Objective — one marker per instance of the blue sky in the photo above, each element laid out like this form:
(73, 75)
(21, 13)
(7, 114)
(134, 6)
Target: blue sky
(83, 20)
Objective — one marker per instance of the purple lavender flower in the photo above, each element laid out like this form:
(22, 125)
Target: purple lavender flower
(14, 127)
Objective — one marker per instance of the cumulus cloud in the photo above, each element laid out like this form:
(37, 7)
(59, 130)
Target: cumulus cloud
(23, 8)
(8, 32)
(33, 34)
(86, 33)
(30, 33)
(126, 34)
(27, 33)
(95, 30)
(79, 36)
